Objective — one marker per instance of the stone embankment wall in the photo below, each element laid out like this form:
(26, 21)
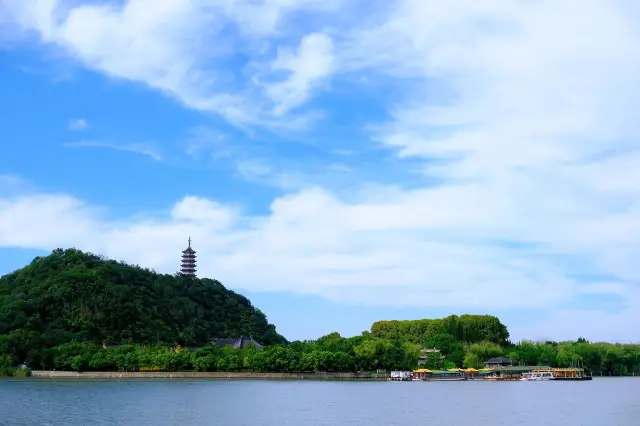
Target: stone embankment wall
(206, 375)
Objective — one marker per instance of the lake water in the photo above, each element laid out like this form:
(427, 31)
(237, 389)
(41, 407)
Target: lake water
(601, 402)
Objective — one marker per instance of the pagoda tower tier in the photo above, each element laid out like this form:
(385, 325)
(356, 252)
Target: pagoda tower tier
(188, 266)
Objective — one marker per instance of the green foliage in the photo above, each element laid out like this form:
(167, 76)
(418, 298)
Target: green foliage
(607, 359)
(350, 355)
(485, 350)
(71, 296)
(471, 360)
(14, 372)
(376, 353)
(470, 340)
(452, 349)
(434, 361)
(333, 353)
(464, 328)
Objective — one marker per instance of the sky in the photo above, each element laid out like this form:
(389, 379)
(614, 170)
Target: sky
(337, 161)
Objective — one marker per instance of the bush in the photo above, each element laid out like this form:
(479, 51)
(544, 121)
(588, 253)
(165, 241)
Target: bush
(15, 372)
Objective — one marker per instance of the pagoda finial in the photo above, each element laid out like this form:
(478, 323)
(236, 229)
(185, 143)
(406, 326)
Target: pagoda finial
(189, 241)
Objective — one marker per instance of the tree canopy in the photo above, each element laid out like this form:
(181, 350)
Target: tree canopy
(464, 328)
(75, 296)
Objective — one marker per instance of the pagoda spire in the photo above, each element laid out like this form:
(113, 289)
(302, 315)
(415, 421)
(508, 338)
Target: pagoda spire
(188, 266)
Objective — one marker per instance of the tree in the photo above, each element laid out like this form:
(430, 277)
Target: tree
(466, 328)
(433, 361)
(72, 296)
(485, 350)
(471, 361)
(567, 358)
(444, 342)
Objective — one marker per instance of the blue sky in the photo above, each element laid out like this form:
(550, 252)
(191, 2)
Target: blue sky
(337, 163)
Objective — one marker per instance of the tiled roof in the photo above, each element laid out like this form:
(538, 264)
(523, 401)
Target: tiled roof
(239, 343)
(520, 368)
(498, 360)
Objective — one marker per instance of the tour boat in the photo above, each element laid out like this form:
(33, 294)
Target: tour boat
(537, 376)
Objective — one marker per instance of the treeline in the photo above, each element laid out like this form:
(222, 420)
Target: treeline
(464, 328)
(72, 296)
(331, 353)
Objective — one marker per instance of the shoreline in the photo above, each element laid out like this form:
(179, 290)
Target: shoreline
(211, 375)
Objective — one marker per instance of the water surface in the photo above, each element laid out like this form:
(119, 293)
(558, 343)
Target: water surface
(601, 402)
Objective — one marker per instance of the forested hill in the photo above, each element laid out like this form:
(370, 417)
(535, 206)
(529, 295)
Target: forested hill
(463, 328)
(72, 295)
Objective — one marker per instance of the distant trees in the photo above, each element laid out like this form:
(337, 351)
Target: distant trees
(464, 328)
(352, 355)
(72, 296)
(333, 353)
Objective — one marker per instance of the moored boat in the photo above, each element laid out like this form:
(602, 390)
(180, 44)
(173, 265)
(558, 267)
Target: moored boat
(567, 374)
(536, 376)
(400, 376)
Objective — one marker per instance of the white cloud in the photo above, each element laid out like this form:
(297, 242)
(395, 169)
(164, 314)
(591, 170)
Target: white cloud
(10, 180)
(289, 176)
(12, 184)
(310, 64)
(311, 242)
(592, 324)
(207, 140)
(78, 124)
(139, 148)
(399, 252)
(178, 46)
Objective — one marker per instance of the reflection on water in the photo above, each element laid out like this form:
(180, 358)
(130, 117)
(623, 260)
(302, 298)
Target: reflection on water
(601, 402)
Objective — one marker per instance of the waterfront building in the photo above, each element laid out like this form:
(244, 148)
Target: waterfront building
(499, 361)
(426, 352)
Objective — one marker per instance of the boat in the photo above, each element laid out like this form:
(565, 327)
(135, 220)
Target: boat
(400, 376)
(448, 379)
(537, 376)
(578, 378)
(556, 374)
(572, 373)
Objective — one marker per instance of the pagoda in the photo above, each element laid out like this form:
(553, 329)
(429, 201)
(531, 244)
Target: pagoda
(188, 266)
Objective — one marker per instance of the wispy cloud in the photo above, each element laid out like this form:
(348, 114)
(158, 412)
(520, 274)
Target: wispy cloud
(10, 180)
(208, 141)
(164, 49)
(138, 148)
(78, 124)
(310, 64)
(11, 184)
(263, 172)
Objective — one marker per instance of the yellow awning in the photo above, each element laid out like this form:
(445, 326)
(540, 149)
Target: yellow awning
(471, 370)
(423, 370)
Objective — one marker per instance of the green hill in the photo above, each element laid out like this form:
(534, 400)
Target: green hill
(75, 296)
